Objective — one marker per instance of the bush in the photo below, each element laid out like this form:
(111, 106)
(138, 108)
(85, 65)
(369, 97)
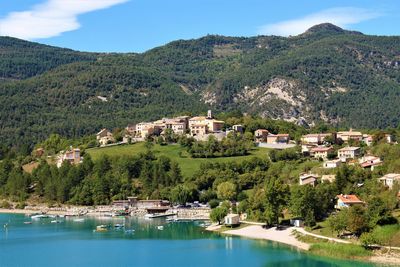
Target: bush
(20, 205)
(213, 203)
(5, 205)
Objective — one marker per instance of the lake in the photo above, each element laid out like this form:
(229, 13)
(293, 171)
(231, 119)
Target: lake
(72, 243)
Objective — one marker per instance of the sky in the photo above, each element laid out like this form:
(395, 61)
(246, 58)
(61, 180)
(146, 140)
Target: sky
(139, 25)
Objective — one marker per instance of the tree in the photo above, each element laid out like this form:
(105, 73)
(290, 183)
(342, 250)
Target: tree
(338, 222)
(303, 203)
(226, 191)
(181, 194)
(218, 214)
(357, 222)
(276, 198)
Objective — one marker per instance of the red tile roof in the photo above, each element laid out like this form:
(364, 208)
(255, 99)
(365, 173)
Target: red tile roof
(349, 199)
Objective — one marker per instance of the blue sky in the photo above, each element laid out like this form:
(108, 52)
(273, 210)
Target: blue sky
(139, 25)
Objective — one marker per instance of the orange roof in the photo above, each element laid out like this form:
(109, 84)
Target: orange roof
(352, 199)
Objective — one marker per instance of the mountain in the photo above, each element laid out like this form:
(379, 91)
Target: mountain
(21, 59)
(326, 74)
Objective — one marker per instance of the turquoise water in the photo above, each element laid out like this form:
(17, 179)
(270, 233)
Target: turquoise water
(70, 243)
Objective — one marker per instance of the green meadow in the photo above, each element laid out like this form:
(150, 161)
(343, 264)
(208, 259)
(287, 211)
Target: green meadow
(174, 152)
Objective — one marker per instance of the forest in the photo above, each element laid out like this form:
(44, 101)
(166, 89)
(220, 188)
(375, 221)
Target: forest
(342, 78)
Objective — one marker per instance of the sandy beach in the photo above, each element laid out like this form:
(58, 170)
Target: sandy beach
(282, 236)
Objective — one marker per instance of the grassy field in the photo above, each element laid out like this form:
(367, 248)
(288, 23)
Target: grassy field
(174, 152)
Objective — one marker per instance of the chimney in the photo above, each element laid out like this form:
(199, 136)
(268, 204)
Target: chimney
(209, 114)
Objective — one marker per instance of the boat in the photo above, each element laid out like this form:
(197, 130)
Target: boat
(160, 227)
(118, 226)
(158, 215)
(101, 228)
(55, 221)
(27, 222)
(129, 231)
(78, 220)
(39, 216)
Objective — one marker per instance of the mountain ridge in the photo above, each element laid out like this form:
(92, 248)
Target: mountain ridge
(328, 75)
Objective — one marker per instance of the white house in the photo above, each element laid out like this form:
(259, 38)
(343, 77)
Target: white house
(232, 219)
(349, 135)
(349, 152)
(104, 137)
(390, 179)
(330, 164)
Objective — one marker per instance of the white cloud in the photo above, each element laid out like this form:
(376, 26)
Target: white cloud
(342, 17)
(50, 18)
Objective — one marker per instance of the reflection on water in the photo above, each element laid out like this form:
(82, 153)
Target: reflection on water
(140, 242)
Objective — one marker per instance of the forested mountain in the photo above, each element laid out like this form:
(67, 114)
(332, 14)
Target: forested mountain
(21, 59)
(326, 74)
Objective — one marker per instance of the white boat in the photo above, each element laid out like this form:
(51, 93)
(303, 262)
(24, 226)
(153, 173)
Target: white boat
(160, 227)
(39, 216)
(149, 216)
(55, 221)
(78, 220)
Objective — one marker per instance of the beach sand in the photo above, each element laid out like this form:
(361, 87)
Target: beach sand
(282, 236)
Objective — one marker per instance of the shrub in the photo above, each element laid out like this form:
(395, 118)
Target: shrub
(5, 205)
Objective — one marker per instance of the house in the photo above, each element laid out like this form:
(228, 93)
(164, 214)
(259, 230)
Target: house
(368, 139)
(105, 137)
(308, 178)
(316, 139)
(261, 135)
(346, 201)
(330, 164)
(201, 125)
(349, 135)
(151, 205)
(321, 152)
(389, 138)
(232, 220)
(349, 152)
(390, 179)
(238, 128)
(330, 178)
(73, 156)
(278, 138)
(370, 162)
(297, 222)
(198, 129)
(306, 149)
(131, 129)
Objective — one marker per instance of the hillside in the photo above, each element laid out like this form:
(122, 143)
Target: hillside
(21, 59)
(326, 74)
(176, 153)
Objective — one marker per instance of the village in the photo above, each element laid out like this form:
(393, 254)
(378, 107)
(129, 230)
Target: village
(330, 149)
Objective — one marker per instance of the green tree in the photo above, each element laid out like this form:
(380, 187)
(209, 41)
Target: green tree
(226, 191)
(218, 214)
(276, 198)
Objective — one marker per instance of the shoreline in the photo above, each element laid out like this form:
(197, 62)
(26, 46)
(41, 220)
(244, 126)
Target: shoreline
(284, 236)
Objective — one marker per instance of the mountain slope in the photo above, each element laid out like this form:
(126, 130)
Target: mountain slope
(326, 74)
(21, 59)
